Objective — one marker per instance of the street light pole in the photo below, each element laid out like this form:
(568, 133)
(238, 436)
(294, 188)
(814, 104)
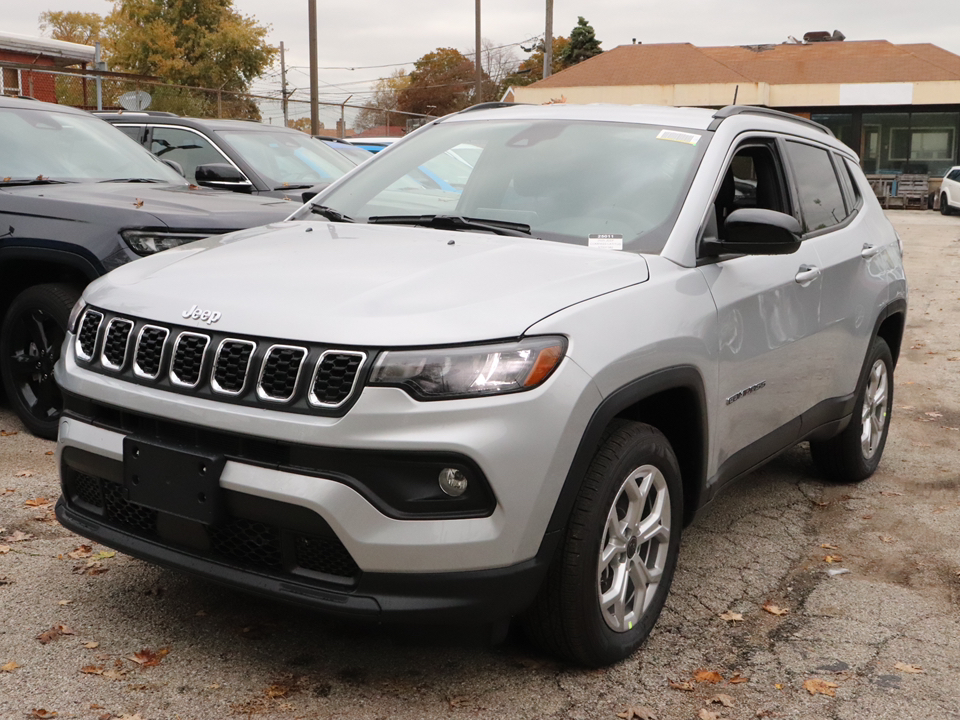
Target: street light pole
(478, 91)
(314, 75)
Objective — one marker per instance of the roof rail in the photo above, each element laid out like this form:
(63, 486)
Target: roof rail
(151, 113)
(730, 110)
(489, 106)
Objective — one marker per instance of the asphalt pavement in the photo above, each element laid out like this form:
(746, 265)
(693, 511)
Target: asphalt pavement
(793, 598)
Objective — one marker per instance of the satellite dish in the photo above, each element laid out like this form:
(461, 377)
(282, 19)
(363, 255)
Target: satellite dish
(135, 100)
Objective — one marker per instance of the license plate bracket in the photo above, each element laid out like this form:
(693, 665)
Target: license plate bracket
(176, 480)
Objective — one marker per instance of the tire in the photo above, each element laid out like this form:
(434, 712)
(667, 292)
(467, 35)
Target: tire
(633, 481)
(944, 205)
(854, 454)
(30, 340)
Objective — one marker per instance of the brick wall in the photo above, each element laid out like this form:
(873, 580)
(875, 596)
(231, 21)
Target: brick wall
(41, 85)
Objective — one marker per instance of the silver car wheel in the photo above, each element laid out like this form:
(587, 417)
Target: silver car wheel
(634, 548)
(873, 414)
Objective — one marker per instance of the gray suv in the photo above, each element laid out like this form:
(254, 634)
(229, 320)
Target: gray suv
(501, 399)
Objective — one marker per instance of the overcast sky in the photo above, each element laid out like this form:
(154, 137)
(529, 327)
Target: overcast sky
(387, 32)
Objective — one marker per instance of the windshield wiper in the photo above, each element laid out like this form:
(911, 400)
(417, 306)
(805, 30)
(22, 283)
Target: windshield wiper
(39, 180)
(455, 222)
(330, 214)
(134, 180)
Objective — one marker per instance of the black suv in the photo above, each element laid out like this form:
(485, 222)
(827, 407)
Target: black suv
(78, 199)
(237, 155)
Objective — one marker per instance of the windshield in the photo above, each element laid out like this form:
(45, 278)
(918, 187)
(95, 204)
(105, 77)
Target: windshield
(285, 159)
(42, 145)
(589, 183)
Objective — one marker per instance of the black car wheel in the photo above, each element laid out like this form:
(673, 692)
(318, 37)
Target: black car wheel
(30, 340)
(944, 205)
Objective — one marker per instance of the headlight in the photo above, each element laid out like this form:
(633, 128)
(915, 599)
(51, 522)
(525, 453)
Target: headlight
(147, 242)
(78, 307)
(459, 372)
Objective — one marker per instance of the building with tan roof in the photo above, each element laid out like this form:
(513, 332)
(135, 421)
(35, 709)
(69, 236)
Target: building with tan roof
(897, 105)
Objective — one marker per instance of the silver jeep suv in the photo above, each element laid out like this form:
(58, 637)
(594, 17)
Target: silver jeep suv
(438, 400)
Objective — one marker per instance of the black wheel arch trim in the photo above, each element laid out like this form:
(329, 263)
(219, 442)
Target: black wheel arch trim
(681, 377)
(56, 253)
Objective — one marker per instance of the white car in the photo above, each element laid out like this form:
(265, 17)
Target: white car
(950, 191)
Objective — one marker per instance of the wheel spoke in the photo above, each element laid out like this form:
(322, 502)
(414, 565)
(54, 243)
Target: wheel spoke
(23, 366)
(36, 330)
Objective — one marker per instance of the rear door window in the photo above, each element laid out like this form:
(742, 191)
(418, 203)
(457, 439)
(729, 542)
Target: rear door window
(821, 199)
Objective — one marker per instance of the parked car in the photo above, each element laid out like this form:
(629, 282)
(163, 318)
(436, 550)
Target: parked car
(77, 199)
(237, 155)
(510, 396)
(373, 144)
(353, 152)
(950, 191)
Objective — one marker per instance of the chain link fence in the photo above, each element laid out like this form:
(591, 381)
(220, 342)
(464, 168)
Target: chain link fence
(112, 91)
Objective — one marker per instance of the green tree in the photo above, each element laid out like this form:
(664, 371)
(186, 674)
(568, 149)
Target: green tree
(583, 44)
(84, 28)
(441, 82)
(531, 69)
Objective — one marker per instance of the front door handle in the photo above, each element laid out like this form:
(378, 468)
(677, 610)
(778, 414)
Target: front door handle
(870, 250)
(807, 274)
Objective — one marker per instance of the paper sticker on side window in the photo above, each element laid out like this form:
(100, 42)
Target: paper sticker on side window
(676, 136)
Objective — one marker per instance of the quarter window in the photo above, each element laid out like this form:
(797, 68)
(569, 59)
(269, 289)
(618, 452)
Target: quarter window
(821, 200)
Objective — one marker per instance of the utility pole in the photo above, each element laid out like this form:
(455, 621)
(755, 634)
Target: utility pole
(548, 42)
(478, 92)
(283, 86)
(314, 75)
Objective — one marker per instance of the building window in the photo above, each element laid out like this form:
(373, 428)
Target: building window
(10, 81)
(921, 144)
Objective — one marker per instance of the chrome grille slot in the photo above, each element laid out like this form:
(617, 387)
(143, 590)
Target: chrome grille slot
(230, 366)
(187, 364)
(116, 340)
(280, 372)
(86, 342)
(335, 377)
(150, 342)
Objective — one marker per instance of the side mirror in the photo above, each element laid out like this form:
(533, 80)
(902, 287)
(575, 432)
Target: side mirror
(223, 176)
(175, 165)
(755, 231)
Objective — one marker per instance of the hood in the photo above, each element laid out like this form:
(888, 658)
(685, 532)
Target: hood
(367, 285)
(149, 205)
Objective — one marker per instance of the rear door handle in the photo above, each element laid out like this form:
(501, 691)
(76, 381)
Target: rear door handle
(870, 250)
(807, 274)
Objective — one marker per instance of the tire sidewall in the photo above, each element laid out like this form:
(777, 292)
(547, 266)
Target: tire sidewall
(608, 645)
(878, 351)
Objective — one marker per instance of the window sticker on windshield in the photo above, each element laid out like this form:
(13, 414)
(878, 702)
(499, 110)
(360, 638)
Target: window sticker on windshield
(675, 136)
(605, 241)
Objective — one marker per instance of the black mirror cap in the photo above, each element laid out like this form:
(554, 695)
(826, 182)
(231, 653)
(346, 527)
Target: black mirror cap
(756, 231)
(175, 165)
(218, 173)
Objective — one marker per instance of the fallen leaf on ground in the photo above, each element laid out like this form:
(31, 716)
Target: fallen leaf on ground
(640, 712)
(828, 546)
(37, 502)
(823, 687)
(114, 674)
(18, 536)
(41, 714)
(775, 609)
(731, 616)
(105, 554)
(4, 549)
(912, 669)
(459, 701)
(64, 602)
(53, 633)
(832, 559)
(23, 473)
(84, 551)
(890, 493)
(92, 567)
(91, 645)
(705, 714)
(887, 539)
(4, 433)
(149, 658)
(722, 699)
(680, 685)
(49, 452)
(738, 678)
(708, 676)
(280, 690)
(9, 667)
(92, 669)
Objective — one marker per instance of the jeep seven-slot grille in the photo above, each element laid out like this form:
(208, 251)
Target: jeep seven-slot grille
(333, 382)
(188, 358)
(231, 365)
(281, 368)
(115, 343)
(87, 336)
(150, 351)
(254, 371)
(245, 542)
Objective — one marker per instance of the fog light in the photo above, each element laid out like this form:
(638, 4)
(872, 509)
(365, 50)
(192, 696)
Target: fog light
(453, 482)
